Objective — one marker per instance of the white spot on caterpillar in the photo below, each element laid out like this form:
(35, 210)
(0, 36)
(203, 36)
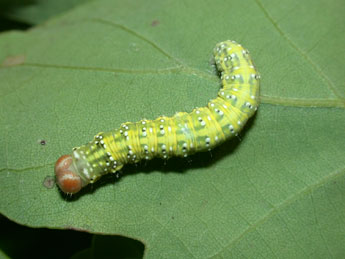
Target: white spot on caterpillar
(207, 140)
(218, 111)
(202, 122)
(86, 172)
(231, 128)
(76, 155)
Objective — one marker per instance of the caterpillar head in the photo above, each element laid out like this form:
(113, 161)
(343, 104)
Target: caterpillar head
(67, 176)
(77, 170)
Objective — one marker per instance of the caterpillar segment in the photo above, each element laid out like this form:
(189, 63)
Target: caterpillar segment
(180, 135)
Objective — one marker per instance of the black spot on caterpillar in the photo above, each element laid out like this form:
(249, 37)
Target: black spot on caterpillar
(180, 135)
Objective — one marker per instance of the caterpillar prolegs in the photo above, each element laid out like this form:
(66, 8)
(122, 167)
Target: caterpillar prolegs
(180, 135)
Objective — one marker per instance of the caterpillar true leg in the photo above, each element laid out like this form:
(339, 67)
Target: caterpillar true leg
(180, 135)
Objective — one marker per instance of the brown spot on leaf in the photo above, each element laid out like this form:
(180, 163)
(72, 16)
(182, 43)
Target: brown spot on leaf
(43, 142)
(155, 23)
(13, 61)
(49, 182)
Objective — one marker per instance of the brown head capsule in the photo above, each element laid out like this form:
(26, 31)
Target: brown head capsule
(67, 176)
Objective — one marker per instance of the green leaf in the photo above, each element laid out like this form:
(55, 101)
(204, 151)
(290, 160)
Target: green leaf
(3, 255)
(276, 191)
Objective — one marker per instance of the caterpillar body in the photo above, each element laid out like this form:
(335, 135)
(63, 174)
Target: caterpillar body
(180, 135)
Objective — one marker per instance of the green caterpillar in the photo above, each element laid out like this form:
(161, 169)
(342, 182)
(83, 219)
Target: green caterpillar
(180, 135)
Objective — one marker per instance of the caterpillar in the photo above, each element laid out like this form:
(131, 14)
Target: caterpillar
(180, 135)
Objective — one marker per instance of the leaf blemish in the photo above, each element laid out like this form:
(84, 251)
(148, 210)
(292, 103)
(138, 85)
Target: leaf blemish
(13, 61)
(49, 182)
(155, 23)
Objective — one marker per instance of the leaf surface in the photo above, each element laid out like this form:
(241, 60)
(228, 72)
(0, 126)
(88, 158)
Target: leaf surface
(276, 191)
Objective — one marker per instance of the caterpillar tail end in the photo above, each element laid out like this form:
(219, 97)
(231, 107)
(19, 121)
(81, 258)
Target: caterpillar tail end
(67, 176)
